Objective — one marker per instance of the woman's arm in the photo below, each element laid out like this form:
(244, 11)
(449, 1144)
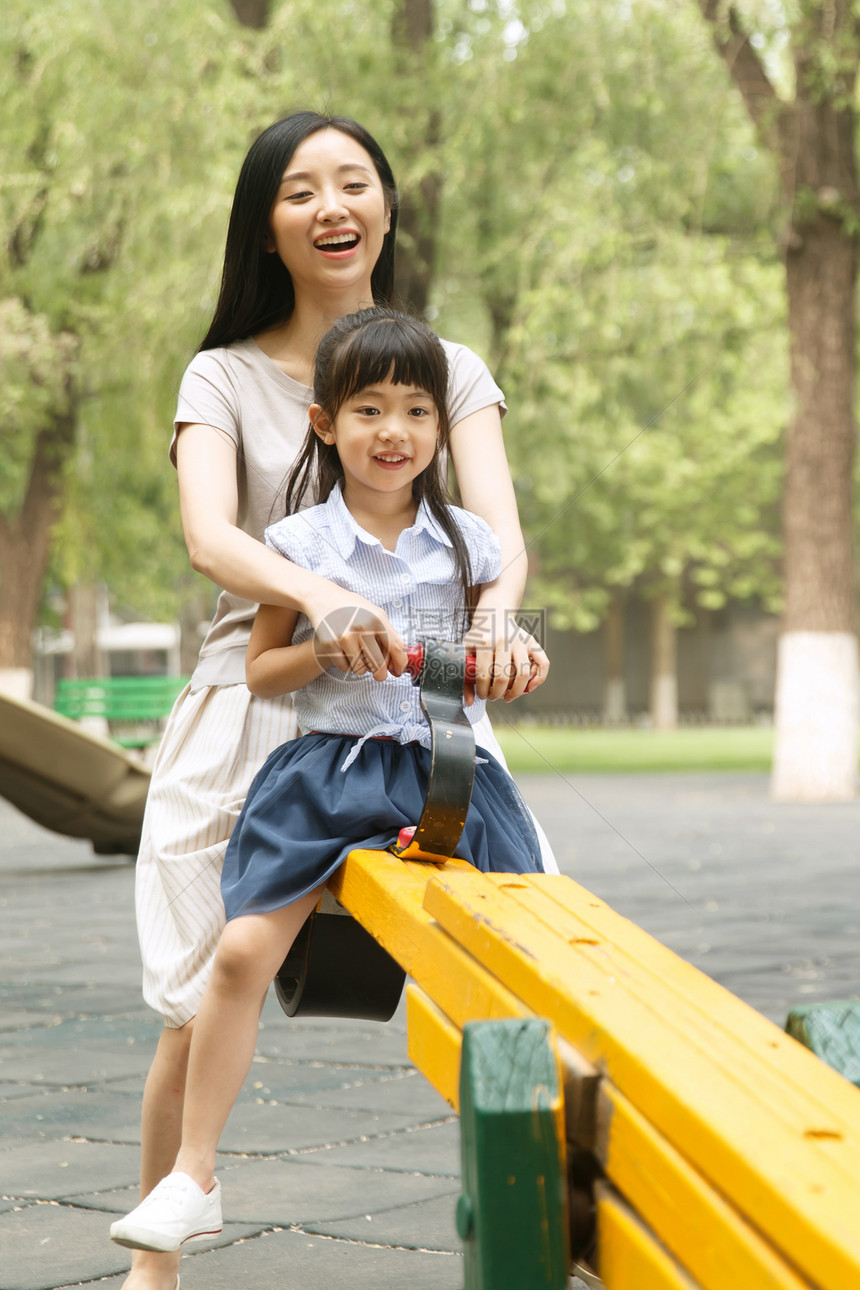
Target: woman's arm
(356, 633)
(273, 665)
(509, 661)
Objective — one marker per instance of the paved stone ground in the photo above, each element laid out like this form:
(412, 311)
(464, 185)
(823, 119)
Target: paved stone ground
(334, 1128)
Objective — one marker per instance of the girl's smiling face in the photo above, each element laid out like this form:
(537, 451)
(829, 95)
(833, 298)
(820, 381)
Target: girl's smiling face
(330, 216)
(385, 436)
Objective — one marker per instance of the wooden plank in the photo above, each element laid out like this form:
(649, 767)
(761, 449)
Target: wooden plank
(631, 1258)
(707, 1236)
(703, 1231)
(696, 1006)
(799, 1190)
(741, 1036)
(433, 1044)
(512, 1214)
(386, 895)
(68, 780)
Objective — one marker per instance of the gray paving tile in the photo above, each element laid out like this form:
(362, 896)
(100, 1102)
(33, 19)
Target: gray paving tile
(432, 1150)
(286, 1192)
(49, 1245)
(286, 1079)
(380, 1047)
(51, 1170)
(83, 1067)
(47, 1114)
(269, 1129)
(405, 1091)
(297, 1259)
(78, 1031)
(425, 1225)
(52, 1245)
(9, 1091)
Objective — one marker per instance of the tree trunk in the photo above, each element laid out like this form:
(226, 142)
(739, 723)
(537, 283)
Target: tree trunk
(418, 222)
(614, 685)
(194, 611)
(87, 601)
(251, 13)
(418, 217)
(664, 664)
(815, 752)
(24, 543)
(815, 755)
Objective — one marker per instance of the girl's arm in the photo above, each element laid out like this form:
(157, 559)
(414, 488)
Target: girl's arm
(273, 665)
(218, 548)
(509, 661)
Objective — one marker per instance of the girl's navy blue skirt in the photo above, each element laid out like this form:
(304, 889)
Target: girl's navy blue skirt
(303, 816)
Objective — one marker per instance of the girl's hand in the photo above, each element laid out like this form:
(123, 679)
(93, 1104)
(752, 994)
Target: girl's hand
(509, 662)
(356, 636)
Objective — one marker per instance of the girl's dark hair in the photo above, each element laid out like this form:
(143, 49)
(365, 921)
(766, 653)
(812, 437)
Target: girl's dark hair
(359, 351)
(256, 289)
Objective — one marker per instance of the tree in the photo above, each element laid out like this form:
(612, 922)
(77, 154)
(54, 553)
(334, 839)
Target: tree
(412, 32)
(619, 215)
(91, 206)
(37, 371)
(101, 224)
(812, 135)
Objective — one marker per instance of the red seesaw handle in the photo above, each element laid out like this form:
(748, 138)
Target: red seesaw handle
(415, 658)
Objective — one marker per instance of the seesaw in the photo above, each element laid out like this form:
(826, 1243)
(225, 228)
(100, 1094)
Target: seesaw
(68, 780)
(618, 1108)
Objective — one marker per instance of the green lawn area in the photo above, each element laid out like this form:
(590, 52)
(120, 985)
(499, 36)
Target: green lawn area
(543, 749)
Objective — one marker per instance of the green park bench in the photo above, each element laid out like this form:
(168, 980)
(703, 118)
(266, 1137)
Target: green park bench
(136, 704)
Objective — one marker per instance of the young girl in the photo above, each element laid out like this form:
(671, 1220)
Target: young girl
(374, 460)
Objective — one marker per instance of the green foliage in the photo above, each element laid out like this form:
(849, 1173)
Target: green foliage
(118, 138)
(36, 366)
(621, 216)
(606, 241)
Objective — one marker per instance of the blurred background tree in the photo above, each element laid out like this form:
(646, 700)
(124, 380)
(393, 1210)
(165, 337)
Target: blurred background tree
(796, 69)
(587, 201)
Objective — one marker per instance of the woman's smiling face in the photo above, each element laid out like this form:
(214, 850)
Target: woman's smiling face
(330, 214)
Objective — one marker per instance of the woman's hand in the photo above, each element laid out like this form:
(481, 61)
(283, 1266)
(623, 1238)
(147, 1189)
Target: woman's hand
(509, 662)
(354, 635)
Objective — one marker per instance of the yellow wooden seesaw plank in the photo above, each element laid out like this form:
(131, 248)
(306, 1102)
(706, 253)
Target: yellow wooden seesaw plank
(710, 1240)
(742, 1036)
(801, 1104)
(801, 1197)
(637, 1151)
(794, 1099)
(630, 1256)
(434, 1044)
(386, 895)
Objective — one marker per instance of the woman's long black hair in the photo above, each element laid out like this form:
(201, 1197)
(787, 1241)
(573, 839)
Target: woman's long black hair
(256, 289)
(360, 351)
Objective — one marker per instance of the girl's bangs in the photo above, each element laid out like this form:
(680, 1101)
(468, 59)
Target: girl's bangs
(391, 350)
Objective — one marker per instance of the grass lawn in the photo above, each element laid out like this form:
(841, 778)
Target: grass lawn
(542, 749)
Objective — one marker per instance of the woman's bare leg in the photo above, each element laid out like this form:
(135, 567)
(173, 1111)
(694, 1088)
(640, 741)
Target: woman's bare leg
(160, 1136)
(251, 950)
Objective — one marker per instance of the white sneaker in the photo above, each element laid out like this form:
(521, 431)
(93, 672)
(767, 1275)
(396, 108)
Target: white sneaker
(174, 1212)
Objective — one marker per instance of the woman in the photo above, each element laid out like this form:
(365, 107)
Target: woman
(311, 238)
